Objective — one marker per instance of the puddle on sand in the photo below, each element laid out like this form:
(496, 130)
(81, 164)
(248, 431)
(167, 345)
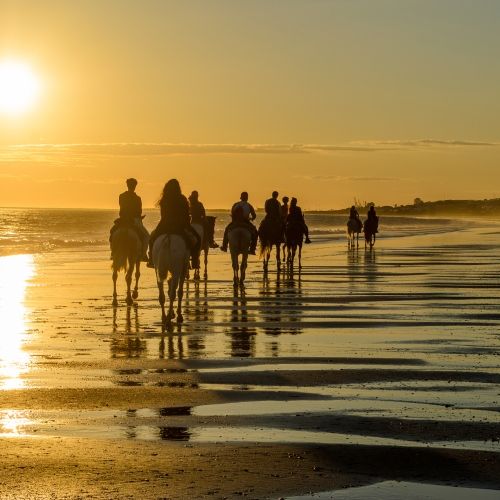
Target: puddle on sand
(226, 435)
(393, 490)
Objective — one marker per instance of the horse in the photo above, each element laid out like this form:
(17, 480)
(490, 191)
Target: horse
(354, 227)
(294, 235)
(126, 250)
(370, 230)
(206, 233)
(200, 231)
(171, 260)
(270, 234)
(240, 239)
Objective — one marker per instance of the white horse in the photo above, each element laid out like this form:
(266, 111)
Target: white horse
(126, 250)
(240, 239)
(171, 260)
(354, 227)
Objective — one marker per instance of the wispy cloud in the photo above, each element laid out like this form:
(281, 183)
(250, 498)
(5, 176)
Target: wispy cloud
(66, 153)
(342, 178)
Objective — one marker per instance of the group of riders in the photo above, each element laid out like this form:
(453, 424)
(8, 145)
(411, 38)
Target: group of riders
(371, 223)
(178, 213)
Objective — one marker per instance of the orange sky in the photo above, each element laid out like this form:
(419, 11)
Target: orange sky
(324, 100)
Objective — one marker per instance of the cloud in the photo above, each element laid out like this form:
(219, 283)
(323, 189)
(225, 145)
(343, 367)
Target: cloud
(415, 143)
(84, 153)
(341, 178)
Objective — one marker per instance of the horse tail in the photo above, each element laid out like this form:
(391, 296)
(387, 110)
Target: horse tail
(120, 247)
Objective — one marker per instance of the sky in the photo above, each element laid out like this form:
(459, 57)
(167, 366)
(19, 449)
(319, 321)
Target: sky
(325, 100)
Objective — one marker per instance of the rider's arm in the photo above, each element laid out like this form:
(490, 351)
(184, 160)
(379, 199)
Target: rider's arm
(202, 210)
(253, 215)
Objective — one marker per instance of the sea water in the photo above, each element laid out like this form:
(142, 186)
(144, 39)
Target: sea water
(35, 230)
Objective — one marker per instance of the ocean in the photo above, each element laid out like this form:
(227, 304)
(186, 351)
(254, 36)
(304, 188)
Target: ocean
(38, 230)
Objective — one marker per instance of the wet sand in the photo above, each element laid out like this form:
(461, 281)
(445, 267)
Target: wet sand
(363, 367)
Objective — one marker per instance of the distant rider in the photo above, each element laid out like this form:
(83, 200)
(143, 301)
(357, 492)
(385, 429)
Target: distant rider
(131, 215)
(284, 209)
(372, 219)
(242, 213)
(272, 207)
(175, 219)
(199, 216)
(354, 215)
(296, 216)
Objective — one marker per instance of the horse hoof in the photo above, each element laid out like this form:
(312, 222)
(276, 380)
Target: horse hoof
(180, 318)
(115, 302)
(130, 301)
(135, 294)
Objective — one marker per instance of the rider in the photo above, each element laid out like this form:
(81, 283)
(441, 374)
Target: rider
(372, 219)
(199, 216)
(284, 208)
(242, 213)
(175, 219)
(273, 207)
(296, 216)
(131, 215)
(354, 215)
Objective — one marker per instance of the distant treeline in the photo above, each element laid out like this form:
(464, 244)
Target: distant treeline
(437, 208)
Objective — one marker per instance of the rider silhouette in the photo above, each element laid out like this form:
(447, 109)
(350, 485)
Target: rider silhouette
(199, 216)
(242, 213)
(296, 216)
(175, 219)
(372, 219)
(273, 207)
(131, 215)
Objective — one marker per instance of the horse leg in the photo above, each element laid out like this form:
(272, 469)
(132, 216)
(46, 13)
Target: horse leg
(171, 298)
(244, 262)
(180, 294)
(205, 275)
(161, 300)
(234, 263)
(135, 293)
(128, 279)
(115, 296)
(278, 257)
(300, 256)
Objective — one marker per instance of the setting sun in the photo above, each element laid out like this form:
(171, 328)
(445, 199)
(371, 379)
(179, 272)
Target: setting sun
(19, 87)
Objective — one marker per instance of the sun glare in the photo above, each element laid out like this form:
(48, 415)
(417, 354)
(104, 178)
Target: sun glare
(19, 87)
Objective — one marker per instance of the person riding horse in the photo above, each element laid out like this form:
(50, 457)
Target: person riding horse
(371, 224)
(175, 219)
(296, 216)
(354, 215)
(199, 216)
(131, 215)
(242, 213)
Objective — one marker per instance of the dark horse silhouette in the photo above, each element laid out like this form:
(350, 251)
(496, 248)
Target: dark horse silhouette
(294, 236)
(370, 228)
(270, 234)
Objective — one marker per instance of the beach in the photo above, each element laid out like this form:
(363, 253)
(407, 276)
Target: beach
(366, 367)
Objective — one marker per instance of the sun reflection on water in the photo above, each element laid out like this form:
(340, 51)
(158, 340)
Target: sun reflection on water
(15, 273)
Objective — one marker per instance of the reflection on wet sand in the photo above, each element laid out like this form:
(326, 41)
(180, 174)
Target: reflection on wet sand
(196, 312)
(282, 304)
(16, 271)
(242, 335)
(371, 270)
(127, 343)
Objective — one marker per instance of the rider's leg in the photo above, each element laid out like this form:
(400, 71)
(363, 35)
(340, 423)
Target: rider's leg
(306, 232)
(255, 236)
(225, 241)
(152, 239)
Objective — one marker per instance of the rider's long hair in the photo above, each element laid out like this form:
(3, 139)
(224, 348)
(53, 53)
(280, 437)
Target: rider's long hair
(171, 193)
